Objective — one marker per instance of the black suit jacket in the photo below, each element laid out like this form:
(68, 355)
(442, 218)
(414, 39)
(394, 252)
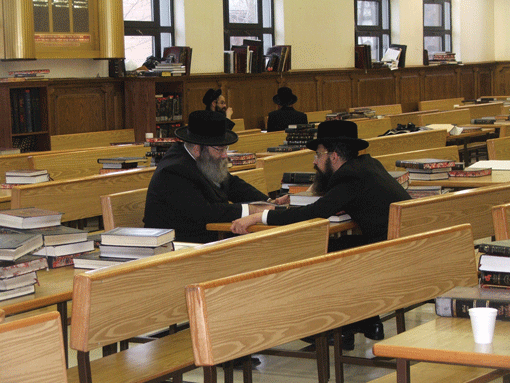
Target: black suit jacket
(280, 119)
(181, 198)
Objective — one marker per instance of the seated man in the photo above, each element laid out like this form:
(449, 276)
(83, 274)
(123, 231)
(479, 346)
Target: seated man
(192, 187)
(286, 115)
(215, 102)
(356, 184)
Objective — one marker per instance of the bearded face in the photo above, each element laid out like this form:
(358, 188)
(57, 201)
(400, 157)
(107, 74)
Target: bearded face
(213, 168)
(322, 177)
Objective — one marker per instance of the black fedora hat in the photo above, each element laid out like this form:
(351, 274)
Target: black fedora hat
(210, 96)
(284, 97)
(206, 127)
(338, 131)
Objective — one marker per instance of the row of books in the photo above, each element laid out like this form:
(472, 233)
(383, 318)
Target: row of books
(26, 110)
(25, 177)
(158, 148)
(118, 164)
(437, 169)
(168, 107)
(249, 58)
(239, 159)
(298, 135)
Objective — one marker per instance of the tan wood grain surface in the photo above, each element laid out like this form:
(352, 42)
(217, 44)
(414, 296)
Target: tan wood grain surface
(258, 142)
(484, 110)
(499, 148)
(410, 141)
(382, 110)
(440, 105)
(80, 197)
(457, 116)
(255, 177)
(124, 209)
(91, 139)
(373, 127)
(239, 125)
(408, 117)
(334, 227)
(501, 221)
(308, 297)
(248, 131)
(33, 350)
(317, 116)
(472, 206)
(446, 152)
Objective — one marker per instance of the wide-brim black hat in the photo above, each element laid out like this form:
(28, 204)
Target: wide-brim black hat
(211, 95)
(206, 127)
(284, 97)
(338, 131)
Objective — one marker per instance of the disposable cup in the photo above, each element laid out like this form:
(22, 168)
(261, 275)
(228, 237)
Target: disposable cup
(483, 320)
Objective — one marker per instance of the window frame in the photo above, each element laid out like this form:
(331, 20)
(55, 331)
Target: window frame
(440, 31)
(373, 30)
(241, 29)
(153, 28)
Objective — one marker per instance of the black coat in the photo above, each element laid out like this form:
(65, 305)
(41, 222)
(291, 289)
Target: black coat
(181, 198)
(363, 189)
(283, 117)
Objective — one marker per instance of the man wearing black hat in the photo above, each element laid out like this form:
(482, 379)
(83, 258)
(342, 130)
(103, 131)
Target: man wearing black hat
(192, 186)
(215, 102)
(286, 115)
(356, 184)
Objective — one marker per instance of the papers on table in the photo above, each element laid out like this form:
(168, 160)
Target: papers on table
(494, 165)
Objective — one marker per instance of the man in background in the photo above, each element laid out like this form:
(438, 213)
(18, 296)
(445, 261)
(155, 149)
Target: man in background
(286, 115)
(215, 102)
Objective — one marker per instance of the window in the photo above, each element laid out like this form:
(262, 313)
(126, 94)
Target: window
(372, 20)
(248, 19)
(148, 28)
(437, 25)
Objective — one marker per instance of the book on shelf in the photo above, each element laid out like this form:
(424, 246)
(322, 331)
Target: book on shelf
(19, 292)
(303, 198)
(501, 247)
(278, 58)
(298, 177)
(23, 265)
(95, 260)
(29, 218)
(18, 281)
(457, 302)
(493, 164)
(26, 176)
(134, 252)
(179, 54)
(470, 173)
(428, 176)
(137, 236)
(425, 163)
(257, 56)
(66, 249)
(363, 56)
(13, 246)
(242, 58)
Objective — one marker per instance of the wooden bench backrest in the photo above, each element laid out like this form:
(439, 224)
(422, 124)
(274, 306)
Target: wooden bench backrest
(317, 116)
(80, 197)
(33, 350)
(446, 152)
(408, 118)
(501, 221)
(409, 141)
(472, 206)
(382, 110)
(116, 303)
(441, 105)
(308, 297)
(499, 148)
(484, 110)
(91, 139)
(255, 177)
(504, 131)
(258, 142)
(248, 131)
(456, 116)
(239, 124)
(275, 166)
(372, 127)
(63, 166)
(124, 209)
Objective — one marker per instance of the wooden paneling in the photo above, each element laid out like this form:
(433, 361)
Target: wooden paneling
(335, 92)
(440, 83)
(409, 88)
(467, 84)
(375, 90)
(140, 106)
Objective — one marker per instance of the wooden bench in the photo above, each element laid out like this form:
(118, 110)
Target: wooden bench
(409, 141)
(440, 105)
(239, 124)
(80, 197)
(483, 110)
(248, 131)
(501, 221)
(275, 166)
(408, 118)
(62, 166)
(382, 110)
(258, 142)
(499, 148)
(91, 139)
(373, 127)
(33, 350)
(456, 116)
(445, 152)
(116, 303)
(307, 297)
(317, 116)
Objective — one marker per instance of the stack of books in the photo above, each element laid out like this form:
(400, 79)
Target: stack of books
(402, 177)
(439, 58)
(238, 159)
(158, 148)
(425, 191)
(427, 168)
(118, 164)
(124, 244)
(168, 107)
(18, 277)
(295, 182)
(494, 265)
(24, 177)
(297, 137)
(170, 69)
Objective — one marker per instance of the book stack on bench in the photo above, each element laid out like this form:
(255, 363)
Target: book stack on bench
(297, 137)
(402, 177)
(427, 168)
(238, 159)
(294, 182)
(124, 244)
(158, 147)
(117, 164)
(24, 177)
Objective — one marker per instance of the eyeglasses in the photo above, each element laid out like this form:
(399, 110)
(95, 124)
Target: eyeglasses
(319, 154)
(220, 149)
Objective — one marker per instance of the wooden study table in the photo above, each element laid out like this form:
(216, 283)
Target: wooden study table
(446, 340)
(5, 199)
(464, 139)
(497, 177)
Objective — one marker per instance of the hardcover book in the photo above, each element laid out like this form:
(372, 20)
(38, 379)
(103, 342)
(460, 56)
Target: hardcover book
(425, 163)
(59, 235)
(495, 278)
(66, 249)
(23, 265)
(134, 252)
(19, 292)
(61, 260)
(429, 176)
(303, 198)
(96, 260)
(13, 246)
(470, 173)
(18, 281)
(496, 247)
(298, 177)
(29, 218)
(494, 263)
(137, 236)
(22, 180)
(341, 216)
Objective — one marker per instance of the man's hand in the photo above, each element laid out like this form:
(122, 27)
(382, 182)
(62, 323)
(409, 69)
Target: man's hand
(229, 112)
(240, 226)
(283, 200)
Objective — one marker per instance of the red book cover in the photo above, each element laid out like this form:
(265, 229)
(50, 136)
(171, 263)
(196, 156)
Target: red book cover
(470, 173)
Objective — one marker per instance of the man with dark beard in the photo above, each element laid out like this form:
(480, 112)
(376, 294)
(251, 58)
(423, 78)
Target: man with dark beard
(356, 184)
(215, 102)
(192, 186)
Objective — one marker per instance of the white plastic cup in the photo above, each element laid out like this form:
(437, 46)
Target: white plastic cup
(483, 320)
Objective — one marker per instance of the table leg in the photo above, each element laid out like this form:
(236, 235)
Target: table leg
(403, 371)
(62, 309)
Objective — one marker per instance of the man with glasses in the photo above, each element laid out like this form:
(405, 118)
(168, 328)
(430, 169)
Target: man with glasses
(356, 184)
(192, 186)
(215, 102)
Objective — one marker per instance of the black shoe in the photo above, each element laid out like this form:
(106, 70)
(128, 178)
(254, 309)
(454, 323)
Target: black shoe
(374, 331)
(348, 341)
(238, 363)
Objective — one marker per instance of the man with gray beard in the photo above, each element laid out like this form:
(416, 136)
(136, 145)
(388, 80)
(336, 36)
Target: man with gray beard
(192, 187)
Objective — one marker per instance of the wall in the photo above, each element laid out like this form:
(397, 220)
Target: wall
(322, 35)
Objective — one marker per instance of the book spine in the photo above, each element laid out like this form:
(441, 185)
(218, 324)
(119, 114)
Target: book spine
(61, 261)
(298, 178)
(459, 307)
(15, 111)
(488, 248)
(28, 110)
(495, 278)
